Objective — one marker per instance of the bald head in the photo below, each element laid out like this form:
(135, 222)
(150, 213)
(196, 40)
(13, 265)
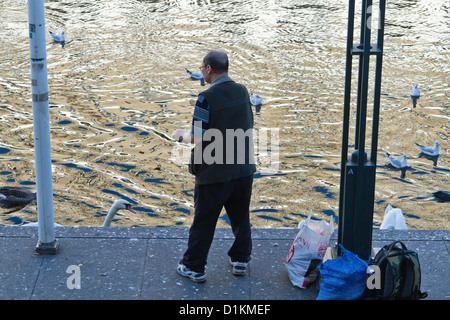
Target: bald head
(218, 60)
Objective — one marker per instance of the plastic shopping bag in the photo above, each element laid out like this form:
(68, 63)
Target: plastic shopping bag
(307, 251)
(343, 278)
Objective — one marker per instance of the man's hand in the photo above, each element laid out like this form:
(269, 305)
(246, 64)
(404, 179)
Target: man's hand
(180, 135)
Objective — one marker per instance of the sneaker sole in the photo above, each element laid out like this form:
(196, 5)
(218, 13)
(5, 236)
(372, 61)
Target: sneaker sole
(192, 278)
(238, 272)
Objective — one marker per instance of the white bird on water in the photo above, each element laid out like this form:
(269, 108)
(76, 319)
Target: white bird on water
(415, 91)
(399, 163)
(430, 151)
(255, 99)
(196, 76)
(59, 38)
(117, 205)
(415, 94)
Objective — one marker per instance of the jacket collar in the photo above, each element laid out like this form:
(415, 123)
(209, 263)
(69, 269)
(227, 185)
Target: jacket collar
(220, 80)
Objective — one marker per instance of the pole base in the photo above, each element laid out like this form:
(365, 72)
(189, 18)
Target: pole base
(334, 253)
(47, 248)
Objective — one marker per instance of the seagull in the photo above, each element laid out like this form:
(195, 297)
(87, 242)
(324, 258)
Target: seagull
(256, 101)
(59, 38)
(196, 76)
(442, 196)
(399, 163)
(430, 151)
(15, 198)
(415, 94)
(393, 219)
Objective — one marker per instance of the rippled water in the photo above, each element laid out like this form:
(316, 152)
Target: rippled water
(119, 88)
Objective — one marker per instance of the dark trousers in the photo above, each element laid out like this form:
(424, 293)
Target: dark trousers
(209, 200)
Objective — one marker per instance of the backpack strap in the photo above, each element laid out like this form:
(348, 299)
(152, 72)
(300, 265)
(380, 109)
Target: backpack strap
(392, 246)
(412, 278)
(408, 279)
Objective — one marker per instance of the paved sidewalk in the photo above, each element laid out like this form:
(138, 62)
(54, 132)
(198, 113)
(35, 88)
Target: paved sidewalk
(140, 263)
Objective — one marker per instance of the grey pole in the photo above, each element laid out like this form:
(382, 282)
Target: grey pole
(47, 243)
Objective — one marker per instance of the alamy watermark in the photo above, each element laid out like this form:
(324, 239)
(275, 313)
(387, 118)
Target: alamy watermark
(373, 11)
(260, 145)
(74, 280)
(374, 277)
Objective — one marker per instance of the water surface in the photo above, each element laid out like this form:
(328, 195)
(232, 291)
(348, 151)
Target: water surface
(119, 88)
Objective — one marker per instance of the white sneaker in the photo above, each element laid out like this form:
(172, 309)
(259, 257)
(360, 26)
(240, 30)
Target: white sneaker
(194, 276)
(239, 268)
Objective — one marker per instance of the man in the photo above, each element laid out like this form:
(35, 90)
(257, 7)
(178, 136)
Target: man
(223, 165)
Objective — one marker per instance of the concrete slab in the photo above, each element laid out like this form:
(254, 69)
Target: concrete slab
(161, 281)
(109, 269)
(269, 278)
(19, 268)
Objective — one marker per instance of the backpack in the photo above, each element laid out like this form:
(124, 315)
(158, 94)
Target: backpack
(399, 269)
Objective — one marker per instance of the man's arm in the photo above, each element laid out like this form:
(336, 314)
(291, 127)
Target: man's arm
(200, 123)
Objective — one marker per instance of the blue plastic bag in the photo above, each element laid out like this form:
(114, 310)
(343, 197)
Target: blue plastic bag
(343, 278)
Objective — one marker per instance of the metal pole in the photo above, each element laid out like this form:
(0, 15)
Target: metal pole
(47, 243)
(347, 97)
(378, 68)
(360, 73)
(364, 85)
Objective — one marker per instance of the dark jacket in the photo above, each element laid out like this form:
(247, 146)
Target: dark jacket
(226, 151)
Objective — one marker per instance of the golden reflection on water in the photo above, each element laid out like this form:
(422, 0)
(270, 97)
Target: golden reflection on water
(119, 88)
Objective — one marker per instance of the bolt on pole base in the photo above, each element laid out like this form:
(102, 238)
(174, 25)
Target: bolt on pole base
(47, 248)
